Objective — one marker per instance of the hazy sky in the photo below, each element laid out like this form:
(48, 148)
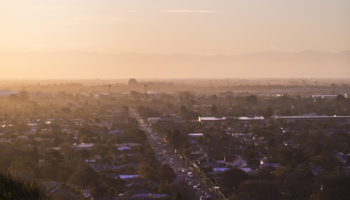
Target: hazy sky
(204, 27)
(174, 26)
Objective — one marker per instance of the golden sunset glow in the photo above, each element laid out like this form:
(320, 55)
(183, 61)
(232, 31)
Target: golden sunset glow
(174, 39)
(174, 99)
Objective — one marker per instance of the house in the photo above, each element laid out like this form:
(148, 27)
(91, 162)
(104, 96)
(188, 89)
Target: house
(263, 163)
(248, 170)
(83, 145)
(220, 169)
(124, 148)
(244, 137)
(237, 161)
(153, 120)
(114, 132)
(195, 134)
(128, 176)
(324, 96)
(127, 146)
(90, 161)
(274, 165)
(342, 157)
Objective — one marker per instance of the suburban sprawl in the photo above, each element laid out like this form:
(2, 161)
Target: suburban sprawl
(177, 140)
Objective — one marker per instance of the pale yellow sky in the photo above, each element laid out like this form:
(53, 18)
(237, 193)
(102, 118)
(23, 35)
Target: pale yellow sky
(174, 26)
(202, 27)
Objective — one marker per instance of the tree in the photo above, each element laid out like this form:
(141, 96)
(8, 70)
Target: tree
(147, 171)
(178, 196)
(258, 190)
(299, 184)
(213, 110)
(250, 153)
(132, 81)
(13, 189)
(325, 160)
(21, 170)
(265, 173)
(125, 110)
(340, 98)
(252, 99)
(281, 172)
(146, 112)
(166, 174)
(231, 179)
(268, 112)
(54, 157)
(175, 139)
(100, 149)
(67, 150)
(187, 114)
(84, 176)
(336, 187)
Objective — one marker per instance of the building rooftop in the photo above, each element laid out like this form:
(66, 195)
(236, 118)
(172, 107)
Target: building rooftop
(311, 117)
(251, 118)
(195, 134)
(211, 119)
(220, 169)
(128, 176)
(84, 145)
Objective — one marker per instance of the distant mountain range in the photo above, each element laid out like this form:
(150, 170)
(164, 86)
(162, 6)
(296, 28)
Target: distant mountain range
(306, 64)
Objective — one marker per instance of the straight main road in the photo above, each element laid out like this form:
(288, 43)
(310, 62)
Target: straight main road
(165, 155)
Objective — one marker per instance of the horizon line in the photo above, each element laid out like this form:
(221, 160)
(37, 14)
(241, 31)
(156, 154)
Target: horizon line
(183, 53)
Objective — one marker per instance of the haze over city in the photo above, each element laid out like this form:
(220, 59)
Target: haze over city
(86, 39)
(174, 99)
